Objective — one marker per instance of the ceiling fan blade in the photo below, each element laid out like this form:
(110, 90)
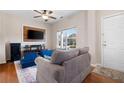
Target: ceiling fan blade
(38, 11)
(50, 12)
(36, 16)
(52, 17)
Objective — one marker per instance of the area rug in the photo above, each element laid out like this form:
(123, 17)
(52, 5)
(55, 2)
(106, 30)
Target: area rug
(26, 75)
(111, 73)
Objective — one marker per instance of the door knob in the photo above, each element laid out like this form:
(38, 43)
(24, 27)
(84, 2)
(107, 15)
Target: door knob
(104, 45)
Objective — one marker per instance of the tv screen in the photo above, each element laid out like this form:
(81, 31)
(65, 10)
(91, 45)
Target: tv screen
(32, 34)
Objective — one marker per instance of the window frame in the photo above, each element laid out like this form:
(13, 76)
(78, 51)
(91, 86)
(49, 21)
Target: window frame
(61, 31)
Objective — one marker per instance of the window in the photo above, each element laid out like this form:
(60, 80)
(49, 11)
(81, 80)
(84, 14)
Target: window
(66, 39)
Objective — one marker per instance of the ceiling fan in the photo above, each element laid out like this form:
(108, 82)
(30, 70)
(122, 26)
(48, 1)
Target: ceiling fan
(45, 14)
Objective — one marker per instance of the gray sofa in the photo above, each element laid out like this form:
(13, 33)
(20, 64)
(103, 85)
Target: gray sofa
(73, 70)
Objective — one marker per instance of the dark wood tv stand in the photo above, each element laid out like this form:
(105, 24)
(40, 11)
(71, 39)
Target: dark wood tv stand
(32, 48)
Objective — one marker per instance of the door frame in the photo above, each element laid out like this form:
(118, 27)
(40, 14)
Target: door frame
(102, 33)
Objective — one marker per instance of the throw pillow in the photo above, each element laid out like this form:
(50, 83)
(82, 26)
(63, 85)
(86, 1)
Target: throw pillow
(46, 52)
(59, 56)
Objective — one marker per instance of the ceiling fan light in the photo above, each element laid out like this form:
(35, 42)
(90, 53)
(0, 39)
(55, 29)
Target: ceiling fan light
(44, 16)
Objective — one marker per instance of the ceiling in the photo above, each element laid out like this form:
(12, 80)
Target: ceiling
(29, 14)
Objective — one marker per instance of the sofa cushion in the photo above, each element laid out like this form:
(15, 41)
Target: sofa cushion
(59, 56)
(83, 50)
(47, 57)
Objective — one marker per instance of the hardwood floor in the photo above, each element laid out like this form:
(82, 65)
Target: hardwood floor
(8, 75)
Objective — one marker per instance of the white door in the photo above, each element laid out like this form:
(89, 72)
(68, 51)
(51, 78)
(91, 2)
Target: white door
(113, 42)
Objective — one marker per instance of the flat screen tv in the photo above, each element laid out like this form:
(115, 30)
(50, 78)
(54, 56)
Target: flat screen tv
(32, 34)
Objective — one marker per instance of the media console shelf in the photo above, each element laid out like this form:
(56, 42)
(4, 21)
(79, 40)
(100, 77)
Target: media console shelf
(32, 48)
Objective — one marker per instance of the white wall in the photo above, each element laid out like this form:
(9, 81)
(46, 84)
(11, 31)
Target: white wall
(12, 29)
(78, 21)
(91, 30)
(2, 44)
